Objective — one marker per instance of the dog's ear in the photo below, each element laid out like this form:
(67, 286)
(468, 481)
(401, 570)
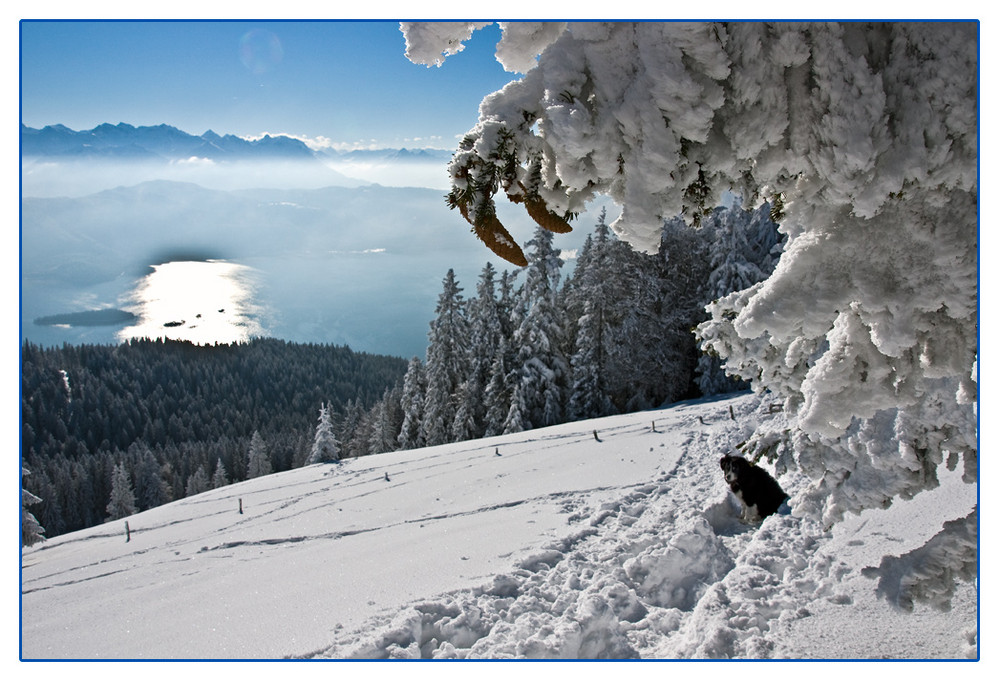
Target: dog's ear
(722, 462)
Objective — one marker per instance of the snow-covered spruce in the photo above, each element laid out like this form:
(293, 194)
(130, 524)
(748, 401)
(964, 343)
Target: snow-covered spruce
(865, 136)
(258, 459)
(31, 530)
(324, 447)
(447, 363)
(122, 502)
(537, 398)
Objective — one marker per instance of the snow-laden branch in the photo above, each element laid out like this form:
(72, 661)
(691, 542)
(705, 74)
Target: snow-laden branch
(928, 573)
(430, 43)
(865, 137)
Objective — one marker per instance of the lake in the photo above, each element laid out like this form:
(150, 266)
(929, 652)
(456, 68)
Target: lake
(375, 301)
(361, 267)
(204, 302)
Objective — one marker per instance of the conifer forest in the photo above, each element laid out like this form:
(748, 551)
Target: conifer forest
(111, 430)
(179, 418)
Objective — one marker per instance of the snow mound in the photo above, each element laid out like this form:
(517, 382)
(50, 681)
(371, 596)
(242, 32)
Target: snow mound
(672, 576)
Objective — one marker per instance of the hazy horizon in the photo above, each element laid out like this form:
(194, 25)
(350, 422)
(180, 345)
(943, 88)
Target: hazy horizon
(359, 265)
(340, 84)
(364, 271)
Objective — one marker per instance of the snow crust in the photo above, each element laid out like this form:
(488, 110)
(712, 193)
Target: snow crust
(544, 544)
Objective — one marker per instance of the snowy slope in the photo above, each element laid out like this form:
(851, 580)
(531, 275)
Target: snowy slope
(544, 544)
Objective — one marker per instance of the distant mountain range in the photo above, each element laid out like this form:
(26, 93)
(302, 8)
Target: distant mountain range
(123, 142)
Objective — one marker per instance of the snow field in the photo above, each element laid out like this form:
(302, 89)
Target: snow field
(665, 571)
(317, 549)
(544, 544)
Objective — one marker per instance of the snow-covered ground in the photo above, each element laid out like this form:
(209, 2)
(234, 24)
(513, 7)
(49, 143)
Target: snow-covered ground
(610, 538)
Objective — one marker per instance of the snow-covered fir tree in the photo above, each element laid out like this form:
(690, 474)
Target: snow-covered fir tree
(386, 422)
(744, 249)
(43, 487)
(500, 389)
(591, 303)
(122, 502)
(683, 272)
(543, 371)
(732, 256)
(447, 363)
(485, 331)
(258, 459)
(866, 137)
(643, 336)
(503, 373)
(353, 436)
(508, 303)
(151, 488)
(464, 426)
(589, 395)
(197, 482)
(412, 404)
(31, 530)
(219, 476)
(324, 446)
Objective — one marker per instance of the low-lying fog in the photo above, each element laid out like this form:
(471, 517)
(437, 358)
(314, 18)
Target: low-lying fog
(45, 177)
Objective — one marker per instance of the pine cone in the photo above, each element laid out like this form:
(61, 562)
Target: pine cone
(495, 235)
(492, 233)
(546, 218)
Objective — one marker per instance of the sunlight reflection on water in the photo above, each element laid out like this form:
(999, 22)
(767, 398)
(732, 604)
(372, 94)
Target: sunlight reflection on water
(204, 302)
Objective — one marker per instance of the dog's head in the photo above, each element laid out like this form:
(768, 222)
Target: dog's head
(733, 467)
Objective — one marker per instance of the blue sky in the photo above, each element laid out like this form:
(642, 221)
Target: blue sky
(347, 81)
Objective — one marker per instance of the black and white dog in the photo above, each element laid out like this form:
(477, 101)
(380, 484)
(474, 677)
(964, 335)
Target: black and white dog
(756, 490)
